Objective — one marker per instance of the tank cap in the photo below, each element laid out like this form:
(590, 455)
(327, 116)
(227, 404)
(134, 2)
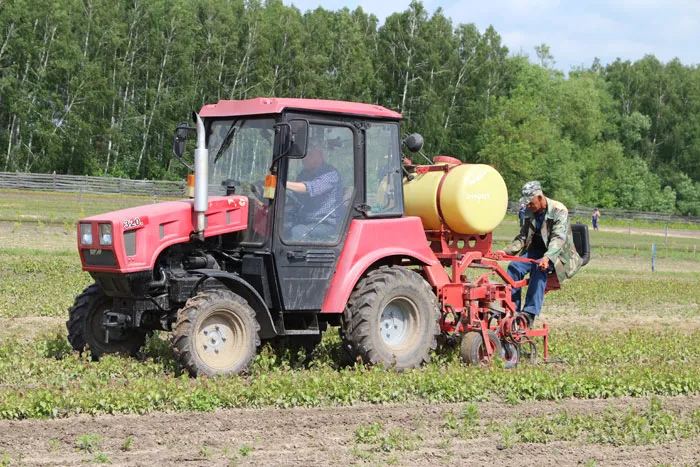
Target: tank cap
(446, 160)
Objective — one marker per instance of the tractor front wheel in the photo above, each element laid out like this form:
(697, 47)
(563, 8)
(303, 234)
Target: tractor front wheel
(85, 327)
(391, 318)
(216, 333)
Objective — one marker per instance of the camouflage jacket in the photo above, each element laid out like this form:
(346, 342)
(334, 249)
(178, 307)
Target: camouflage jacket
(556, 233)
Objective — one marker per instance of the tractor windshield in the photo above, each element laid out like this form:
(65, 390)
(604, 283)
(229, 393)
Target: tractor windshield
(245, 159)
(240, 152)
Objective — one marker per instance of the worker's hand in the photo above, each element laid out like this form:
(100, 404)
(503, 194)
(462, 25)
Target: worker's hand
(544, 263)
(296, 187)
(498, 254)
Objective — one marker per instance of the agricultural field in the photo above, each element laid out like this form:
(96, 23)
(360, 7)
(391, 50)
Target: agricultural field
(623, 388)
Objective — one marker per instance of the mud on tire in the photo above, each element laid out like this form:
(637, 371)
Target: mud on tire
(391, 318)
(216, 333)
(85, 326)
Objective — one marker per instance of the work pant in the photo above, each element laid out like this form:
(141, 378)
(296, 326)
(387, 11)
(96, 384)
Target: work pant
(536, 287)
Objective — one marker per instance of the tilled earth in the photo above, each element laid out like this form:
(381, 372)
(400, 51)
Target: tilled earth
(326, 436)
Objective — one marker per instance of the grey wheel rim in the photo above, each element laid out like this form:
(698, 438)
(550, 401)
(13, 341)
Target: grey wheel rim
(221, 340)
(398, 321)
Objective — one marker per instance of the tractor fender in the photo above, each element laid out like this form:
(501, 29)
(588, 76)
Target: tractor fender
(370, 241)
(247, 292)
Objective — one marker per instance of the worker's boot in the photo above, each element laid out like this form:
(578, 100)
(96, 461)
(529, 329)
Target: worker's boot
(529, 318)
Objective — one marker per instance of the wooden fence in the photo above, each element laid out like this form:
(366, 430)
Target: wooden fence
(92, 185)
(156, 188)
(584, 214)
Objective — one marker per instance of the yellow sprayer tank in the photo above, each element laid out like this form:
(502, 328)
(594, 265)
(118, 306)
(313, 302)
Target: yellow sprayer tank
(469, 198)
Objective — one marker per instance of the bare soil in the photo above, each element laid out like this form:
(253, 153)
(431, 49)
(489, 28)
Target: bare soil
(325, 436)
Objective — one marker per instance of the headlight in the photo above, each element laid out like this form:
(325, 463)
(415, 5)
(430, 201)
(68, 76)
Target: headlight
(106, 234)
(86, 234)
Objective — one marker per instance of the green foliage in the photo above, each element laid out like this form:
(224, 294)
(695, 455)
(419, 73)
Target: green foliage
(245, 451)
(102, 87)
(616, 427)
(633, 363)
(375, 439)
(128, 443)
(88, 442)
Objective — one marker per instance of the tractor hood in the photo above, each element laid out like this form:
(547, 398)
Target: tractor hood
(130, 240)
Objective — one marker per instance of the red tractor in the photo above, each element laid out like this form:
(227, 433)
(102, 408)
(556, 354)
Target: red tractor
(305, 214)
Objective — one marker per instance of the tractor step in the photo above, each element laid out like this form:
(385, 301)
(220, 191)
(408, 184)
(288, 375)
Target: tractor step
(300, 332)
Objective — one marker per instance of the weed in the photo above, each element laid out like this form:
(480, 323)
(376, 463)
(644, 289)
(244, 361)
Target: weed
(205, 452)
(507, 438)
(101, 458)
(378, 441)
(245, 451)
(54, 445)
(88, 442)
(128, 443)
(5, 461)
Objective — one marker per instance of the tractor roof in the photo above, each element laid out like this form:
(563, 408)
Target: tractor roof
(272, 105)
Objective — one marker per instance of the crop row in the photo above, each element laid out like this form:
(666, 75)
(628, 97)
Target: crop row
(45, 379)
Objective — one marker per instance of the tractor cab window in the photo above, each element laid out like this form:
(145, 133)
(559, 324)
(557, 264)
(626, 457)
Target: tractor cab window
(244, 164)
(383, 170)
(320, 186)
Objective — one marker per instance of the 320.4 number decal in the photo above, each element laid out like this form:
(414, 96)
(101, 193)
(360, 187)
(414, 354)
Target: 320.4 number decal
(132, 223)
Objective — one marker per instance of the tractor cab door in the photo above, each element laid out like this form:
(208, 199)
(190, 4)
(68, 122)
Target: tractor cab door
(315, 197)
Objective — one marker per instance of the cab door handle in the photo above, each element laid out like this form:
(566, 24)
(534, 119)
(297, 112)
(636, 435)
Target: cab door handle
(292, 254)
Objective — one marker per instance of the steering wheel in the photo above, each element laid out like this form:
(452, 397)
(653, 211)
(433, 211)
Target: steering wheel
(293, 199)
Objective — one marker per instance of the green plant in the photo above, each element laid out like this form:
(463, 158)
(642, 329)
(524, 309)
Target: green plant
(245, 451)
(101, 458)
(54, 346)
(379, 441)
(507, 440)
(128, 443)
(54, 445)
(88, 442)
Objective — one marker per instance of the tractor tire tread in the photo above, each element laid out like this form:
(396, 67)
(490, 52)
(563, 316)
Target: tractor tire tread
(183, 334)
(356, 331)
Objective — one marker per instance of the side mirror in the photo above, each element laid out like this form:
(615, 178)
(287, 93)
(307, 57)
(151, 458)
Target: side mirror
(414, 142)
(179, 138)
(298, 138)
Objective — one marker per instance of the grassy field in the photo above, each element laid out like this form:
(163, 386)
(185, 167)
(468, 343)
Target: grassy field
(617, 330)
(625, 372)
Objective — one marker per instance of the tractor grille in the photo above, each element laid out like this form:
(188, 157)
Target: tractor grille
(99, 257)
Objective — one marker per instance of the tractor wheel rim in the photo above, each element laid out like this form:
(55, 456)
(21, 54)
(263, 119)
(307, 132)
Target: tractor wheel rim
(397, 320)
(221, 340)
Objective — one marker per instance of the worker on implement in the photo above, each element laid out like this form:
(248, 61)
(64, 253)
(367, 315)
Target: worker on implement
(545, 236)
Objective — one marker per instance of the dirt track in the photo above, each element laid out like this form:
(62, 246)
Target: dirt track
(325, 436)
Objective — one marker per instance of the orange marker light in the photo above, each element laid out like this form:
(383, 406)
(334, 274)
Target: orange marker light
(270, 184)
(189, 188)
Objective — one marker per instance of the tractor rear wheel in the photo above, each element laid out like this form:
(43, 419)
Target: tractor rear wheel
(85, 326)
(391, 318)
(473, 351)
(216, 333)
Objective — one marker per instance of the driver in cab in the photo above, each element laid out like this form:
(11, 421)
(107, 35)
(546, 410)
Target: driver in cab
(319, 191)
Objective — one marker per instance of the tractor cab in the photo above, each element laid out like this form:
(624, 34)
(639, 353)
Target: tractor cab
(306, 172)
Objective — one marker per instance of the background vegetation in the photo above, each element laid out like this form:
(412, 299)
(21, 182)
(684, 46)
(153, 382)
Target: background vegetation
(96, 87)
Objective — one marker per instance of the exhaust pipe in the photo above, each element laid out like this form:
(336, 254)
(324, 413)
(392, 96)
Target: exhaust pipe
(201, 179)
